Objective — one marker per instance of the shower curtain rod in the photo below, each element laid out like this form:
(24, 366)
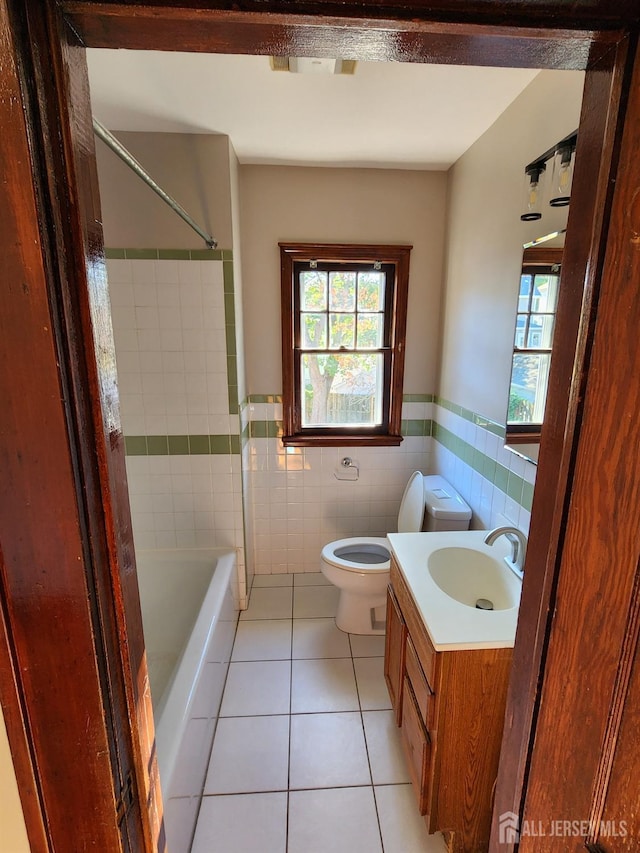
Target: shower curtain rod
(118, 148)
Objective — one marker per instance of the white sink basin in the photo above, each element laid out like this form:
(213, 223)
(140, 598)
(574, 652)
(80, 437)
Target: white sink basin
(467, 575)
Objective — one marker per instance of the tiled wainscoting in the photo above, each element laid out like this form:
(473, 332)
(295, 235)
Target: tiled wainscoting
(306, 756)
(175, 336)
(208, 470)
(297, 501)
(468, 450)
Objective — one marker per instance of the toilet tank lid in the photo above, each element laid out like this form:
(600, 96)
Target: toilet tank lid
(442, 501)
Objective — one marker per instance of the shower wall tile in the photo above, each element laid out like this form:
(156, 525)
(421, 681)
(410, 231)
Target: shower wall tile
(173, 338)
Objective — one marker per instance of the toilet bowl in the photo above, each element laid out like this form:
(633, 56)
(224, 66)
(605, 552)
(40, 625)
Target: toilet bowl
(360, 566)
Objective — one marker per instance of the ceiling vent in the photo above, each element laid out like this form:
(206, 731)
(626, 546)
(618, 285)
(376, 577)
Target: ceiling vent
(312, 65)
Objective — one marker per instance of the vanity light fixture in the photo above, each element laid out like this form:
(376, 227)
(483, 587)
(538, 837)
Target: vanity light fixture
(563, 172)
(563, 156)
(533, 191)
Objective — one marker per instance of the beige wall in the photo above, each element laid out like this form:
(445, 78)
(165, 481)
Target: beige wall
(13, 833)
(485, 237)
(193, 168)
(279, 203)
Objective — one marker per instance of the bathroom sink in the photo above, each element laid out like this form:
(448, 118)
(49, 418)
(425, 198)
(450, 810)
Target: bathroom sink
(468, 575)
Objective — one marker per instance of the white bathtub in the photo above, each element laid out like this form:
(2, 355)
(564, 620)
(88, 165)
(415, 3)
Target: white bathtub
(189, 614)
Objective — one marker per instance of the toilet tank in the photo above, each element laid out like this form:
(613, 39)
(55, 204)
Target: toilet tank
(444, 508)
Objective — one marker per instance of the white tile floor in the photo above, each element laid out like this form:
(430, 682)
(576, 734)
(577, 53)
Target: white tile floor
(306, 756)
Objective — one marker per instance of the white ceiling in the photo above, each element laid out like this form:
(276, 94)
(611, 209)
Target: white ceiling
(387, 115)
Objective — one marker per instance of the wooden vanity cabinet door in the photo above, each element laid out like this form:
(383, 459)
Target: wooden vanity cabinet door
(421, 687)
(417, 747)
(394, 651)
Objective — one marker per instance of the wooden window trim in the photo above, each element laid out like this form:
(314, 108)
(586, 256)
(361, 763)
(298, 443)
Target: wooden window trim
(534, 256)
(292, 253)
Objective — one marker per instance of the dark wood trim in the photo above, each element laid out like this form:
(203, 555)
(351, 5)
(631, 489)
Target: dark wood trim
(606, 87)
(523, 437)
(580, 14)
(594, 606)
(541, 256)
(340, 253)
(95, 736)
(52, 686)
(490, 33)
(46, 542)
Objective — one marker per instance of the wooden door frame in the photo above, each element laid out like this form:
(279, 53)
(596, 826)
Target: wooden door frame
(65, 265)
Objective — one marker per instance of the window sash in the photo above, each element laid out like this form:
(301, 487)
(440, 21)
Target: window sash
(394, 261)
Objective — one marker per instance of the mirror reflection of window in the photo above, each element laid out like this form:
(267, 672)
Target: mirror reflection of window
(535, 320)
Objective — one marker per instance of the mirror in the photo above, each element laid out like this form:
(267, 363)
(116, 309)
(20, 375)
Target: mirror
(532, 343)
(547, 192)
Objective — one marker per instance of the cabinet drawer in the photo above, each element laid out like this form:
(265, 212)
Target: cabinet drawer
(420, 685)
(417, 747)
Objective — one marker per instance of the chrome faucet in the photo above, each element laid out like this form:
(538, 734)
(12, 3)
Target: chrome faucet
(518, 542)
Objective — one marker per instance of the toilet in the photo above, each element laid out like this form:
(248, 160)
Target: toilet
(360, 566)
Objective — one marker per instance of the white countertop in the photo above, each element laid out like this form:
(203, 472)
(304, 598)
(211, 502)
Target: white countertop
(450, 624)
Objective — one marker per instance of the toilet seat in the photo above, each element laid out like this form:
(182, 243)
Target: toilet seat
(337, 554)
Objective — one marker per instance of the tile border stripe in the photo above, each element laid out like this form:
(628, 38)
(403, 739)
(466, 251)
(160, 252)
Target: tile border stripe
(181, 445)
(131, 254)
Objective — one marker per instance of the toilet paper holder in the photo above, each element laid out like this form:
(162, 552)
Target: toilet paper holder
(348, 470)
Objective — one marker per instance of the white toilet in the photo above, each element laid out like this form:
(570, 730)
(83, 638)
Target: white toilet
(360, 566)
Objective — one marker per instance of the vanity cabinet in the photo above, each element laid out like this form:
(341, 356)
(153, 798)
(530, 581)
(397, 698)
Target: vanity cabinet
(450, 708)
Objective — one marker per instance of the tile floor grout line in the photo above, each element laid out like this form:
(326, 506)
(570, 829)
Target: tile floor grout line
(215, 729)
(290, 720)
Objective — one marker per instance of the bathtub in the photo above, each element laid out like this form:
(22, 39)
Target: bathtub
(189, 614)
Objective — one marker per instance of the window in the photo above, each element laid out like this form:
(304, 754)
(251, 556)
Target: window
(535, 322)
(344, 310)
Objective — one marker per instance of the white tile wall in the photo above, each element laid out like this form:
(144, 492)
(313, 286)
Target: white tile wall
(490, 505)
(297, 504)
(169, 331)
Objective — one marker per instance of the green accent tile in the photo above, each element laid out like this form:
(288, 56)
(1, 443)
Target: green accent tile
(501, 477)
(274, 429)
(229, 309)
(417, 398)
(231, 340)
(467, 414)
(478, 460)
(227, 254)
(514, 487)
(157, 445)
(233, 399)
(206, 254)
(496, 429)
(235, 443)
(428, 426)
(415, 427)
(232, 370)
(227, 272)
(467, 453)
(199, 445)
(135, 445)
(142, 254)
(220, 444)
(115, 254)
(174, 254)
(527, 495)
(259, 429)
(489, 469)
(178, 445)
